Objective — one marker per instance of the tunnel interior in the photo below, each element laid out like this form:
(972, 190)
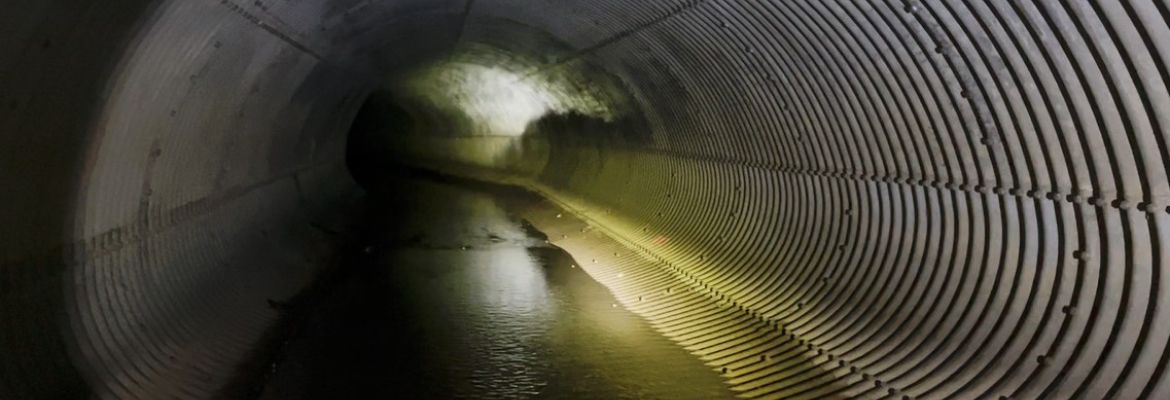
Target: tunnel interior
(910, 199)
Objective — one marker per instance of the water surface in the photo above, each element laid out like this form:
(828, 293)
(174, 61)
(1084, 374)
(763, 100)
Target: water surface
(455, 298)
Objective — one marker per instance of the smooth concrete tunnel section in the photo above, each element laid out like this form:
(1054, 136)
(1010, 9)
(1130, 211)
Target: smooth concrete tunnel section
(906, 199)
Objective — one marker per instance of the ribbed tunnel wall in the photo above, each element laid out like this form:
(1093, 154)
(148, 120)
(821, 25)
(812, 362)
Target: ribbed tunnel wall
(933, 199)
(167, 169)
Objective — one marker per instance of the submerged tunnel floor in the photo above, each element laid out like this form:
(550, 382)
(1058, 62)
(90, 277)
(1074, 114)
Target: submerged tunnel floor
(455, 297)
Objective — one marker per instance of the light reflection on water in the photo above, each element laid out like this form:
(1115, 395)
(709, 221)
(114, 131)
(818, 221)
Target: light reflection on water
(509, 295)
(512, 322)
(460, 302)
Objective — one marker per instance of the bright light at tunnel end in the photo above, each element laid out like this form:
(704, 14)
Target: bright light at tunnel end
(504, 99)
(501, 101)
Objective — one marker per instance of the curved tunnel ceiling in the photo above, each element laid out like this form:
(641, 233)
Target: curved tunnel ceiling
(917, 199)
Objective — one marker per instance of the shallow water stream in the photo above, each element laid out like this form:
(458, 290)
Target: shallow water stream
(458, 299)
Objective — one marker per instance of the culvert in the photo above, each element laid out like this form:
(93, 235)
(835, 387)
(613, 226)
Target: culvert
(922, 199)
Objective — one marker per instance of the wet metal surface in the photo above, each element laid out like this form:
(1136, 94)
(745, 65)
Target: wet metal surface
(458, 299)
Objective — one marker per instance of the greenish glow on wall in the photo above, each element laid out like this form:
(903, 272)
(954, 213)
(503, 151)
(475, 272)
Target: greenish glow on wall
(492, 109)
(500, 94)
(497, 101)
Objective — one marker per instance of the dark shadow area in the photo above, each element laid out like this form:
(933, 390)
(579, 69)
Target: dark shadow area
(53, 85)
(380, 118)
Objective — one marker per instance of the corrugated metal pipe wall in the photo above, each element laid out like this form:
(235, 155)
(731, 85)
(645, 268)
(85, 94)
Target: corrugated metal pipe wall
(934, 198)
